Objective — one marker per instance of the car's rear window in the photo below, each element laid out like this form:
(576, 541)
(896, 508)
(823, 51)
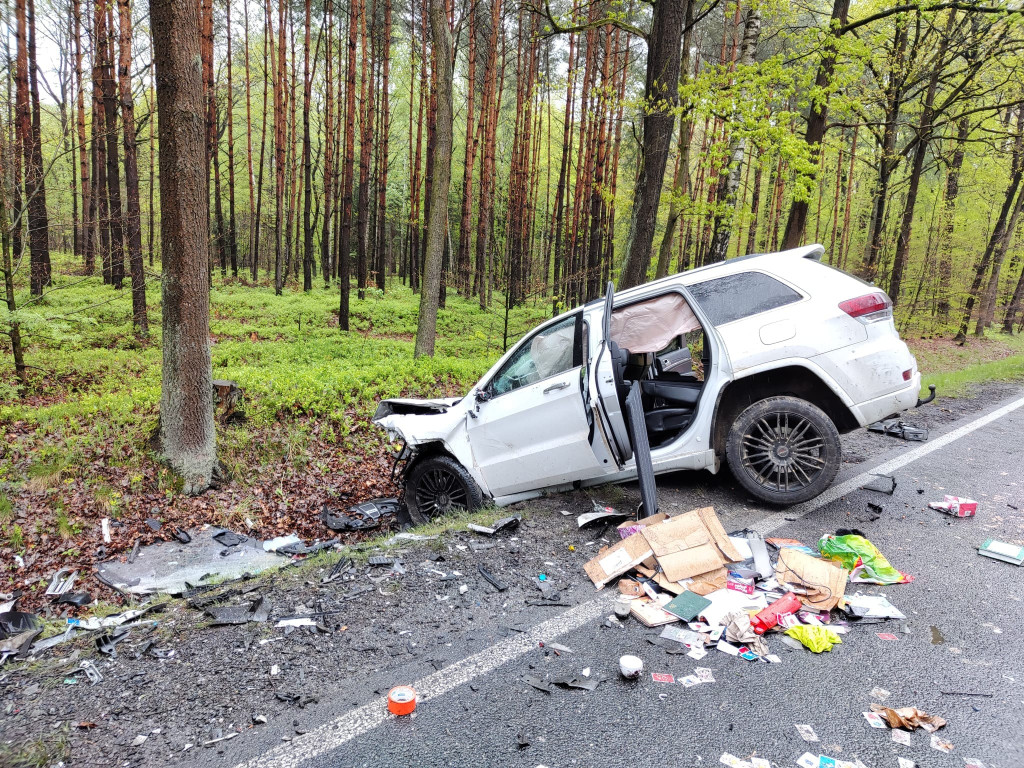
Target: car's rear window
(734, 297)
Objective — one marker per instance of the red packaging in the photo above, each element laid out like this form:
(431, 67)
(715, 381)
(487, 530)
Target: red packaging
(769, 617)
(737, 583)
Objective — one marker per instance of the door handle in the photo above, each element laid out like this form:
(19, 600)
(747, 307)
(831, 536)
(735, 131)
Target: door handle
(553, 387)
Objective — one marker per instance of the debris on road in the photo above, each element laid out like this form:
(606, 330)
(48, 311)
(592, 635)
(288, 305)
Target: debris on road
(862, 559)
(899, 428)
(631, 667)
(402, 700)
(955, 506)
(601, 513)
(1001, 550)
(816, 639)
(882, 484)
(361, 517)
(505, 523)
(806, 732)
(909, 718)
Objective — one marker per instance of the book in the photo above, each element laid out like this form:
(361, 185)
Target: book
(687, 606)
(1000, 550)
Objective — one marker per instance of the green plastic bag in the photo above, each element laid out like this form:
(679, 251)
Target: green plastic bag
(859, 556)
(815, 638)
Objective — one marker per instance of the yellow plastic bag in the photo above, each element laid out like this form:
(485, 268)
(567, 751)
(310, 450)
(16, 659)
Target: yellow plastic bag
(815, 638)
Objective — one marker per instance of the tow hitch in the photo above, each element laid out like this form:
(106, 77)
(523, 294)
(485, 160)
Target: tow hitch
(931, 396)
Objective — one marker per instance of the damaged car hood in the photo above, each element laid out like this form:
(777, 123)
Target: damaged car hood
(419, 421)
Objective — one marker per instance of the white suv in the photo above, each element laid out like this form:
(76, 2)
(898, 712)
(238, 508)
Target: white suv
(761, 360)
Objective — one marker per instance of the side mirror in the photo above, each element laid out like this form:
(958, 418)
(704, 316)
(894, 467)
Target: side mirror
(482, 395)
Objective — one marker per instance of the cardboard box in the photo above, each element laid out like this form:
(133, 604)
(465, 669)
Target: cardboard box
(612, 562)
(818, 583)
(738, 583)
(690, 544)
(956, 506)
(630, 527)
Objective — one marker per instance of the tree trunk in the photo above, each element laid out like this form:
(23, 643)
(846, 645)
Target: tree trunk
(816, 119)
(348, 170)
(13, 331)
(462, 260)
(729, 178)
(382, 162)
(280, 139)
(105, 45)
(660, 97)
(948, 219)
(187, 434)
(131, 171)
(366, 119)
(86, 233)
(27, 106)
(307, 160)
(232, 230)
(328, 143)
(426, 329)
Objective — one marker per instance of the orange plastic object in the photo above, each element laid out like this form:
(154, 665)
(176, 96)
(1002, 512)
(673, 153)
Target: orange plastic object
(401, 700)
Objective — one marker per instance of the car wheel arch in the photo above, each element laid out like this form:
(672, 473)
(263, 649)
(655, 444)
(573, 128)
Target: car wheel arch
(790, 380)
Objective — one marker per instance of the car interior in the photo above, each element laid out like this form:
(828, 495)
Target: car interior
(653, 343)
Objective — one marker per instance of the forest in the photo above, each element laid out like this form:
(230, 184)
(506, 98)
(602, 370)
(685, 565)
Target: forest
(396, 189)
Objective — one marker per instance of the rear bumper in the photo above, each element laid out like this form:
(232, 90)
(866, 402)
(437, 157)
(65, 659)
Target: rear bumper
(901, 400)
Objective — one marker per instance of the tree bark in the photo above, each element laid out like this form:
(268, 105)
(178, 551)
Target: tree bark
(729, 178)
(131, 171)
(307, 160)
(348, 171)
(426, 329)
(187, 434)
(660, 97)
(87, 229)
(115, 222)
(816, 119)
(230, 106)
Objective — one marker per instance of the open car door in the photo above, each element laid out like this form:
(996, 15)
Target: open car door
(619, 410)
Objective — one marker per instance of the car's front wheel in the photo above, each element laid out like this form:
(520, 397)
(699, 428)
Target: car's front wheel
(783, 450)
(437, 485)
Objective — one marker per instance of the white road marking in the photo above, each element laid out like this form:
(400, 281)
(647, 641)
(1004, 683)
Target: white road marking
(776, 520)
(337, 732)
(344, 728)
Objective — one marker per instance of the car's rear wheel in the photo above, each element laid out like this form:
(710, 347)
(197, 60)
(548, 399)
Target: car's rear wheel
(783, 450)
(438, 485)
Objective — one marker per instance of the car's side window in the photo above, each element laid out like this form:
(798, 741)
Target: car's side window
(734, 297)
(547, 353)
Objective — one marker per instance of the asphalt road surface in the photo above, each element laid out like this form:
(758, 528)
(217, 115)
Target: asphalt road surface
(961, 636)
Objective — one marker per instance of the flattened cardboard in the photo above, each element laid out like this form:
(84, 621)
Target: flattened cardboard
(690, 544)
(709, 582)
(824, 582)
(630, 527)
(612, 562)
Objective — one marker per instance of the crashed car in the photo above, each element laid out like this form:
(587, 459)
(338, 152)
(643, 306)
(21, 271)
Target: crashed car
(759, 362)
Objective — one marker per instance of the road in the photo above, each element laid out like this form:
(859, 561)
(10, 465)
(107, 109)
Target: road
(961, 636)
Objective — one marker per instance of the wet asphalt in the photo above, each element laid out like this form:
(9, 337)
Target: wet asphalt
(961, 636)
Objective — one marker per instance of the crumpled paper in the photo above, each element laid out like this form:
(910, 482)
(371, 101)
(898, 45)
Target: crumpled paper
(909, 718)
(814, 638)
(738, 630)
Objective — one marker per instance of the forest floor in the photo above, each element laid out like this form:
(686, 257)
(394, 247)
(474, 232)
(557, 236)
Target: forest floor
(76, 450)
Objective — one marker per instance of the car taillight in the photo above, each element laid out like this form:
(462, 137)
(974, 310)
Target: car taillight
(869, 308)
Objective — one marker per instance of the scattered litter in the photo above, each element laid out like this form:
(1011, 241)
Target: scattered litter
(61, 582)
(107, 642)
(300, 548)
(816, 639)
(901, 737)
(1000, 550)
(491, 579)
(806, 732)
(862, 558)
(601, 513)
(557, 648)
(220, 739)
(870, 607)
(819, 583)
(505, 523)
(229, 538)
(138, 741)
(105, 528)
(91, 672)
(631, 667)
(360, 517)
(585, 683)
(886, 636)
(882, 484)
(973, 762)
(463, 589)
(539, 683)
(662, 677)
(906, 762)
(304, 621)
(880, 693)
(275, 670)
(154, 524)
(909, 718)
(899, 428)
(17, 645)
(875, 720)
(273, 545)
(257, 610)
(651, 613)
(402, 700)
(941, 745)
(955, 506)
(807, 760)
(786, 605)
(77, 599)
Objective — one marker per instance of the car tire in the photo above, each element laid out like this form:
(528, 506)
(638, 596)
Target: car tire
(437, 485)
(783, 450)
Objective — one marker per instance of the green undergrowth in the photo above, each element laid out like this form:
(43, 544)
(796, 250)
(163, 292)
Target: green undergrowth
(957, 370)
(94, 384)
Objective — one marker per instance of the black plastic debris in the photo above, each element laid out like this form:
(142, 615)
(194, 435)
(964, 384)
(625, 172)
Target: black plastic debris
(361, 517)
(899, 428)
(135, 550)
(873, 513)
(882, 484)
(149, 648)
(79, 599)
(257, 610)
(229, 538)
(381, 560)
(16, 622)
(491, 579)
(107, 642)
(182, 536)
(340, 569)
(18, 645)
(154, 524)
(61, 582)
(585, 683)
